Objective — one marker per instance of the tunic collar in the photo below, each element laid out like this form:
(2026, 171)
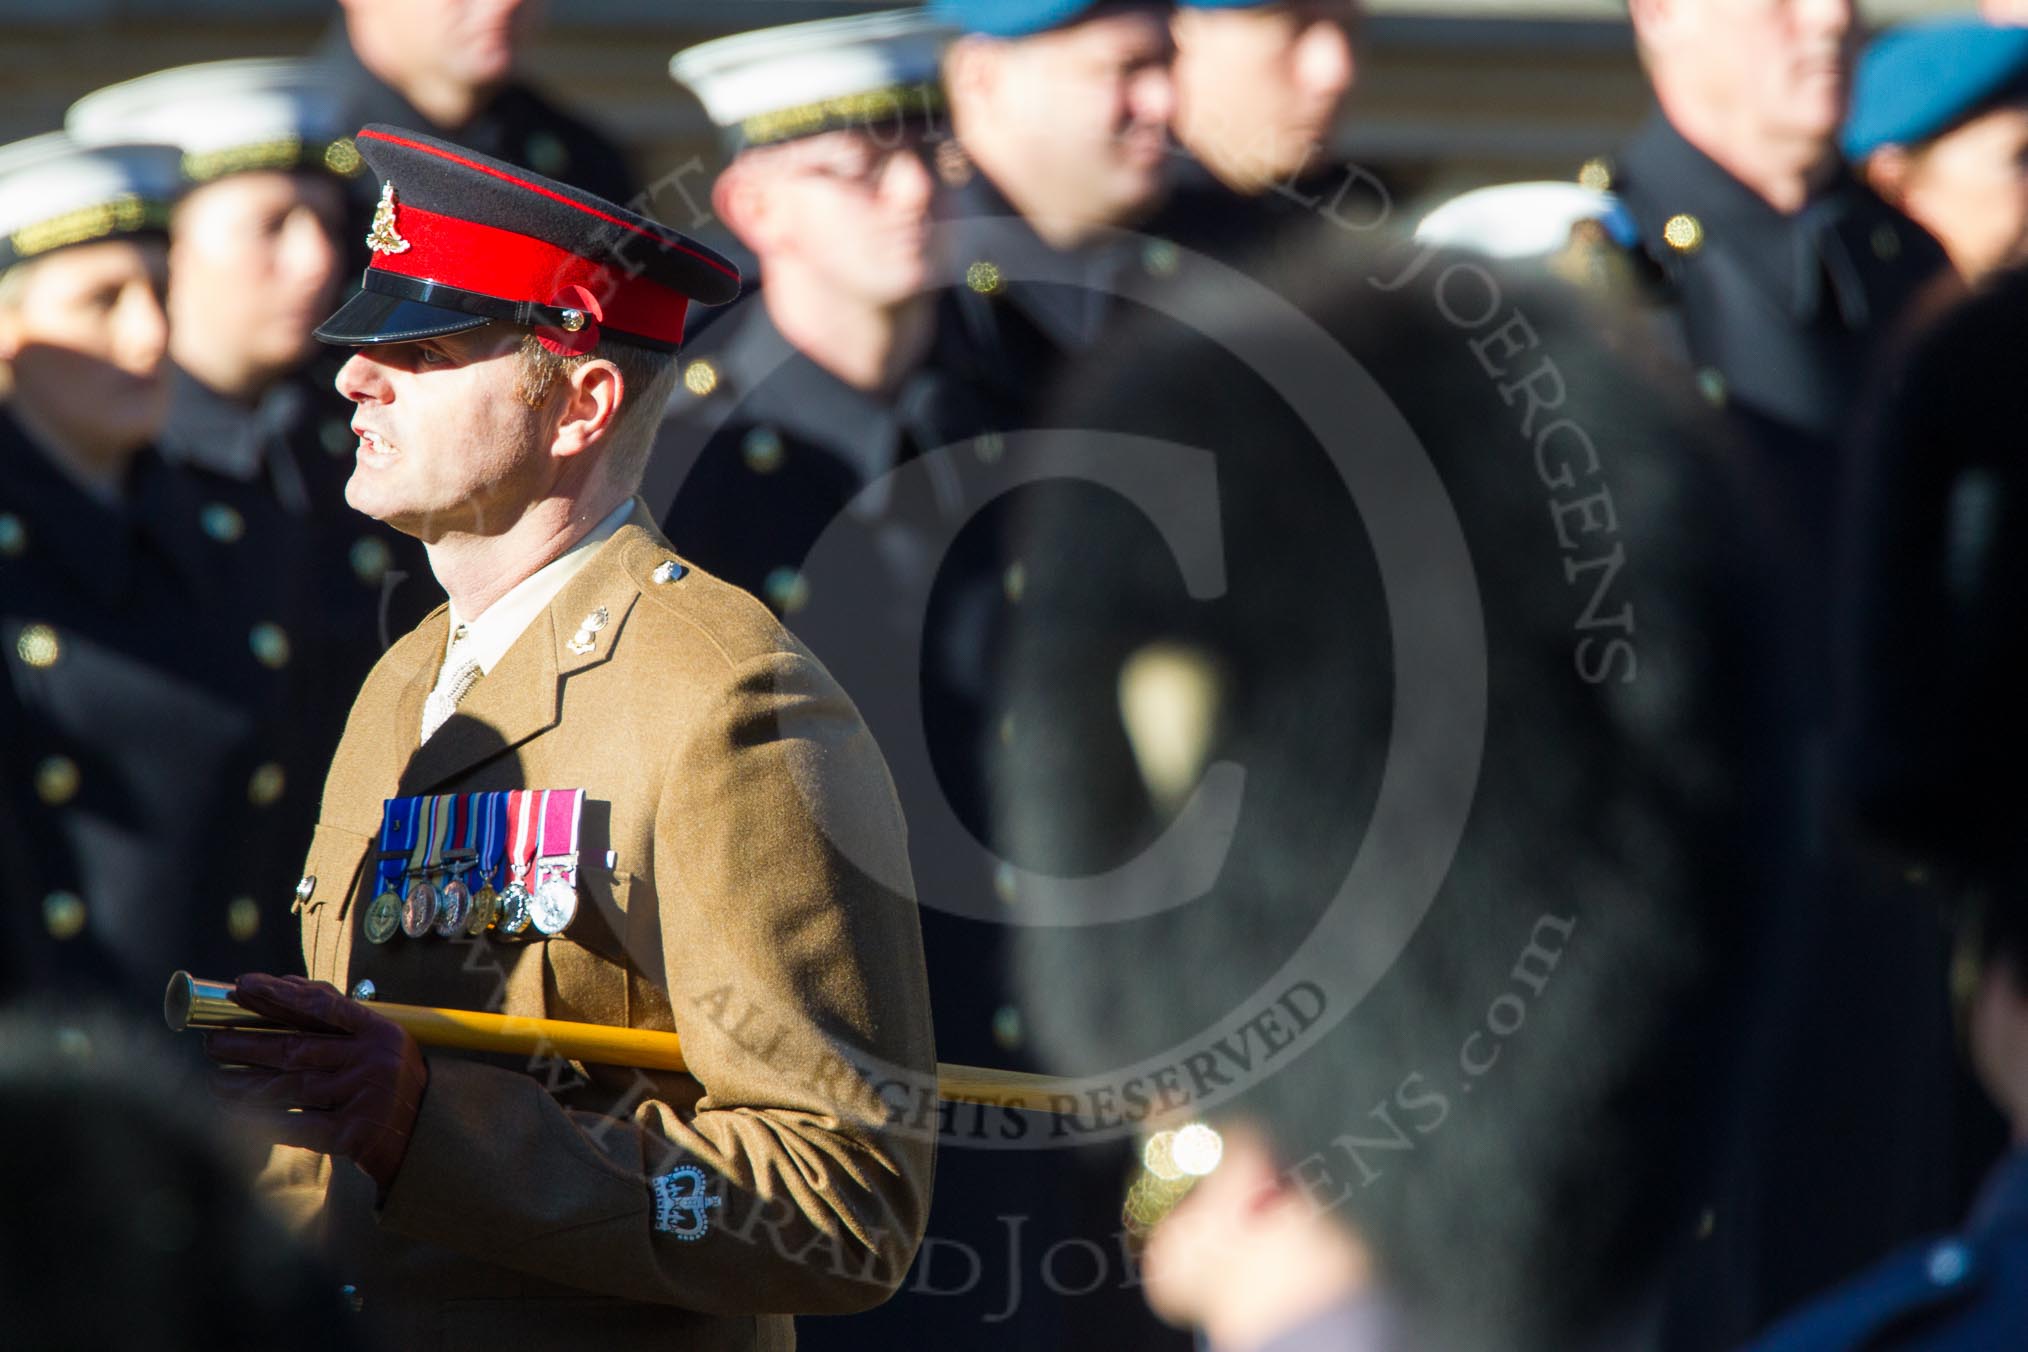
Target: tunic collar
(485, 640)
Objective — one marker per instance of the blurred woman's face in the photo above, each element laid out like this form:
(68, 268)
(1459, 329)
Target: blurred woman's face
(83, 334)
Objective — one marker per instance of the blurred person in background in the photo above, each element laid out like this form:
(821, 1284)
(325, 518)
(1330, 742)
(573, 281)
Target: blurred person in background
(450, 68)
(1784, 291)
(841, 402)
(1259, 87)
(254, 261)
(1061, 111)
(1939, 799)
(132, 1224)
(1431, 1047)
(1939, 127)
(147, 681)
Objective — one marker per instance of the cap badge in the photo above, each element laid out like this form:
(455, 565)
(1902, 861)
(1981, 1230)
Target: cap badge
(382, 238)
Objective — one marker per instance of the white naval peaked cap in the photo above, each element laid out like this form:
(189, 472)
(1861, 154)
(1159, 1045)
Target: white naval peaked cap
(1524, 220)
(55, 192)
(772, 84)
(227, 116)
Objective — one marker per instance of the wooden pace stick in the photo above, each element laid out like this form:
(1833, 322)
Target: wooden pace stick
(192, 1002)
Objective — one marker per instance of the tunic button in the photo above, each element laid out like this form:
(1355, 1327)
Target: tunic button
(13, 536)
(1947, 1263)
(38, 646)
(64, 914)
(364, 989)
(265, 786)
(306, 887)
(369, 558)
(354, 1302)
(667, 571)
(242, 919)
(56, 780)
(1711, 384)
(222, 523)
(983, 277)
(787, 590)
(700, 377)
(270, 644)
(1683, 232)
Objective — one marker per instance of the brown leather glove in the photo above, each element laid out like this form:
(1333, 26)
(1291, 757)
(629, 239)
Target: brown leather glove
(349, 1084)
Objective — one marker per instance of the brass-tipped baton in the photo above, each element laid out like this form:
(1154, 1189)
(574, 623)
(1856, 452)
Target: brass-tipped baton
(192, 1002)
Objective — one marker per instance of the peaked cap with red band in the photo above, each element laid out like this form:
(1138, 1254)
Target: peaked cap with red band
(462, 240)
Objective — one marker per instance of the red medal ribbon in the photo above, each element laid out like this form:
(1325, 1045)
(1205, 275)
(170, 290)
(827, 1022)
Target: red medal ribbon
(561, 810)
(521, 845)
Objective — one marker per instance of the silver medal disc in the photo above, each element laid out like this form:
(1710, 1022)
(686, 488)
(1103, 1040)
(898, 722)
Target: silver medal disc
(419, 909)
(454, 908)
(513, 910)
(554, 907)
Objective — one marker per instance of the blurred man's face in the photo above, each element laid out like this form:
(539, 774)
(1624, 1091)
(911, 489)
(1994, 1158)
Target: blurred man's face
(472, 43)
(1779, 68)
(1969, 188)
(253, 267)
(446, 442)
(1257, 90)
(83, 333)
(1094, 100)
(850, 207)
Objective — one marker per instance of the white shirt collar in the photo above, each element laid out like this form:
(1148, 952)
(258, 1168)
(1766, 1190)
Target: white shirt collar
(487, 639)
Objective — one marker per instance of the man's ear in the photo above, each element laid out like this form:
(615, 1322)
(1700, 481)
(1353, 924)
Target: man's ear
(1887, 171)
(969, 69)
(738, 199)
(1650, 18)
(593, 395)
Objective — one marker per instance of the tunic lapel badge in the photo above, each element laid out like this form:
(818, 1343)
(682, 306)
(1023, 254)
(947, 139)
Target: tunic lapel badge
(583, 642)
(383, 238)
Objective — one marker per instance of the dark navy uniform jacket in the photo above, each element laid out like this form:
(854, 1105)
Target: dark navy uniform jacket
(1790, 326)
(1966, 1292)
(1788, 319)
(146, 735)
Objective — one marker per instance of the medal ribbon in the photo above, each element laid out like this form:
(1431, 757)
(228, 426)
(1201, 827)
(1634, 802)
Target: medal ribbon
(521, 848)
(443, 820)
(561, 809)
(462, 812)
(426, 839)
(397, 838)
(491, 810)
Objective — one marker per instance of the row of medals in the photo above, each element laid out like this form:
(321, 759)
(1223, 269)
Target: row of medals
(451, 908)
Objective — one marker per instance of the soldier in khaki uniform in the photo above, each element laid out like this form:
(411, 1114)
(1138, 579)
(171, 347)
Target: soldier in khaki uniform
(741, 873)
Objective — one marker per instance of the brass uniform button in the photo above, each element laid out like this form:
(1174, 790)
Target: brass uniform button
(222, 523)
(1596, 174)
(1007, 1028)
(700, 377)
(1161, 258)
(56, 780)
(1684, 233)
(13, 536)
(342, 157)
(265, 785)
(242, 919)
(63, 914)
(38, 646)
(370, 559)
(270, 644)
(983, 277)
(788, 591)
(762, 450)
(1014, 582)
(1711, 384)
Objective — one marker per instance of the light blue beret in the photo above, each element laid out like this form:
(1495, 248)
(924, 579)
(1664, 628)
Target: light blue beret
(1016, 18)
(1921, 79)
